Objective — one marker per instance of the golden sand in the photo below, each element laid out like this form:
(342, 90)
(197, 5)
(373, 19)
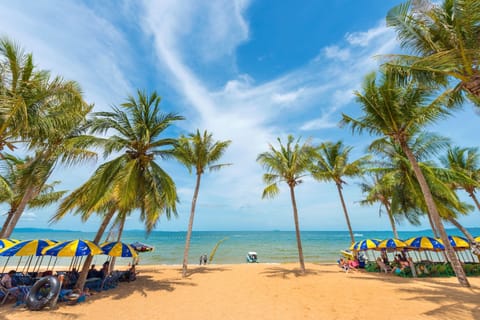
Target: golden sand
(269, 291)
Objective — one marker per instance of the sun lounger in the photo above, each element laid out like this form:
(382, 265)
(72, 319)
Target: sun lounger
(383, 267)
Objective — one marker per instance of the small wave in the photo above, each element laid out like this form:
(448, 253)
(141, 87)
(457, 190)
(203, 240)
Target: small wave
(358, 234)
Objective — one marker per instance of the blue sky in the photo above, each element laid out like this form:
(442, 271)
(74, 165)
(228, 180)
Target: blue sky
(248, 71)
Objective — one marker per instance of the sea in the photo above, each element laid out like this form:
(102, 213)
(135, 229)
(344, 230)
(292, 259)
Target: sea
(270, 246)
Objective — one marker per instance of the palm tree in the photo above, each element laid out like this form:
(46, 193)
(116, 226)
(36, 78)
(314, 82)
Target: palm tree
(198, 151)
(465, 161)
(381, 190)
(442, 39)
(397, 110)
(133, 179)
(16, 175)
(287, 164)
(30, 99)
(332, 165)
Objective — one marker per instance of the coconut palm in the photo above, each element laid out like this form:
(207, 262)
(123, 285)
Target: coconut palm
(397, 110)
(133, 179)
(442, 39)
(198, 152)
(332, 165)
(30, 99)
(289, 164)
(16, 176)
(465, 161)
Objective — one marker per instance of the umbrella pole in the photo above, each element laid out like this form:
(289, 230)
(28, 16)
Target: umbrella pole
(39, 264)
(71, 263)
(29, 260)
(18, 265)
(3, 271)
(48, 265)
(54, 263)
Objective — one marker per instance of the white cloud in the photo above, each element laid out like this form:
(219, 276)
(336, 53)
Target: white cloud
(334, 52)
(363, 39)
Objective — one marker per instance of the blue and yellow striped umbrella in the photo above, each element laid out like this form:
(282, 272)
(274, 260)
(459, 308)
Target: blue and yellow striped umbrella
(4, 243)
(26, 248)
(365, 244)
(424, 243)
(73, 248)
(392, 244)
(118, 249)
(457, 242)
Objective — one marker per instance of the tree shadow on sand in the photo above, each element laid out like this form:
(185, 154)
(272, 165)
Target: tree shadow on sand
(452, 300)
(279, 272)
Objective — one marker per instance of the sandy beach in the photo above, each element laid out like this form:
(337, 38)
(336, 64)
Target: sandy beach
(270, 291)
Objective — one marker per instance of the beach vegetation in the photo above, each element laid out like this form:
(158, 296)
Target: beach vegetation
(290, 164)
(197, 152)
(397, 109)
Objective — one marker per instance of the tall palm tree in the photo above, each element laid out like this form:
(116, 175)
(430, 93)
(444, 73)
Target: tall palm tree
(133, 179)
(465, 161)
(397, 110)
(198, 152)
(332, 165)
(289, 164)
(442, 39)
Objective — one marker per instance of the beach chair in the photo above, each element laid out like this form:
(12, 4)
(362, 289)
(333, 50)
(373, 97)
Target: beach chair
(4, 293)
(383, 267)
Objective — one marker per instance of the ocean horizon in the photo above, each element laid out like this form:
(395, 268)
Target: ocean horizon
(271, 246)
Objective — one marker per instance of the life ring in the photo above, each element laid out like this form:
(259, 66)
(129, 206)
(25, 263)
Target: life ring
(36, 302)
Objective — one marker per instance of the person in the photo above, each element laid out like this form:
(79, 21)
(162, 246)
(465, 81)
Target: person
(343, 264)
(385, 257)
(353, 264)
(204, 259)
(92, 272)
(105, 270)
(6, 282)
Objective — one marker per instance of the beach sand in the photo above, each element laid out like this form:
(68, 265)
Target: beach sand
(270, 291)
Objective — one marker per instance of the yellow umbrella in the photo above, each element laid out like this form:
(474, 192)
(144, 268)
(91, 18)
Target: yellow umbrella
(73, 248)
(119, 249)
(392, 244)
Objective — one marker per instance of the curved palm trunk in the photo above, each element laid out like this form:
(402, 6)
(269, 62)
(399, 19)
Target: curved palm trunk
(473, 85)
(297, 230)
(472, 195)
(29, 194)
(392, 220)
(119, 238)
(339, 188)
(432, 225)
(7, 222)
(433, 212)
(86, 265)
(475, 246)
(190, 226)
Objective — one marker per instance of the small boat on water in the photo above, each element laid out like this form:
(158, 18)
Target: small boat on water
(141, 247)
(252, 257)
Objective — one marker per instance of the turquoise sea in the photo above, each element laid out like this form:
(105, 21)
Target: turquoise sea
(271, 246)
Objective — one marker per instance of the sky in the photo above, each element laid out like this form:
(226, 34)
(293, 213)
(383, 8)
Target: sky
(246, 71)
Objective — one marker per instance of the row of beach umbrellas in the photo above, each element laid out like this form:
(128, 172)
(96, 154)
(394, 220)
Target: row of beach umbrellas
(415, 243)
(72, 248)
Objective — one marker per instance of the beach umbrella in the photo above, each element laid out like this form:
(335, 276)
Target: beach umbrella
(392, 244)
(4, 243)
(424, 243)
(477, 239)
(365, 244)
(24, 248)
(118, 249)
(458, 243)
(73, 248)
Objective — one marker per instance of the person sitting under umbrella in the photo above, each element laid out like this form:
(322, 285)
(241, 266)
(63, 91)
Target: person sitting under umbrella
(6, 282)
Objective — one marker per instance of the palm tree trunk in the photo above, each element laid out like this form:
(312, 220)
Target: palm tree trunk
(472, 195)
(432, 225)
(7, 222)
(392, 220)
(190, 226)
(339, 188)
(297, 230)
(29, 194)
(86, 265)
(475, 246)
(119, 238)
(433, 212)
(473, 85)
